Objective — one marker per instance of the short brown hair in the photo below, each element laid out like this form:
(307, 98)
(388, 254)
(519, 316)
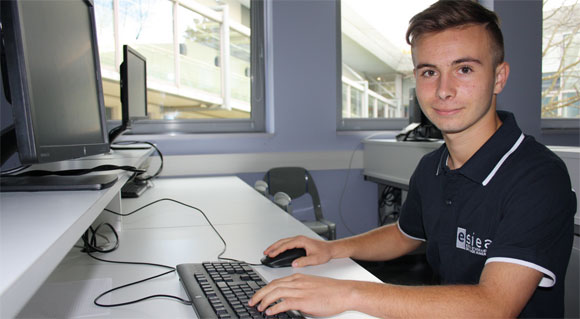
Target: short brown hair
(447, 14)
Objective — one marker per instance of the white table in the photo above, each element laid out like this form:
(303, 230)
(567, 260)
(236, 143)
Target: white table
(170, 234)
(37, 229)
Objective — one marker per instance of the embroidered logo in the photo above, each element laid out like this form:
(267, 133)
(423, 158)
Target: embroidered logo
(470, 242)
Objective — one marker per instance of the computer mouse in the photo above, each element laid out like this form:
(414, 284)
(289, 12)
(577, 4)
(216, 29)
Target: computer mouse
(284, 259)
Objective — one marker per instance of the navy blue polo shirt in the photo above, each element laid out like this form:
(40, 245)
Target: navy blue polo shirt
(512, 201)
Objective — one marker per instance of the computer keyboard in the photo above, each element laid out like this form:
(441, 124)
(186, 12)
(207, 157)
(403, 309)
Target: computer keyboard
(223, 289)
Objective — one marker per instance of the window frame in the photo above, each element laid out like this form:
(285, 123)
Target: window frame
(357, 124)
(557, 124)
(256, 122)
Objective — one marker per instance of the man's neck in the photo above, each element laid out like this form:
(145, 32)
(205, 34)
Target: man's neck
(463, 145)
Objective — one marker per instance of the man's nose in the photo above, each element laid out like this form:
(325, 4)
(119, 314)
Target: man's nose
(446, 88)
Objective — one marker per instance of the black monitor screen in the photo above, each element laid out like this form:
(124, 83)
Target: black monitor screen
(55, 82)
(136, 84)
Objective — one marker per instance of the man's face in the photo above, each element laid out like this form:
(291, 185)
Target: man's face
(456, 79)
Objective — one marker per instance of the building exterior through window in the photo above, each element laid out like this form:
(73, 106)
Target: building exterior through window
(377, 70)
(198, 55)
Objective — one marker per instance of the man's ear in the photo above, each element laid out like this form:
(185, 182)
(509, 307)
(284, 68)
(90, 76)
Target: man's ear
(502, 72)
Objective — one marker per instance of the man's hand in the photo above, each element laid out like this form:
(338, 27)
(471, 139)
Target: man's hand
(317, 296)
(317, 251)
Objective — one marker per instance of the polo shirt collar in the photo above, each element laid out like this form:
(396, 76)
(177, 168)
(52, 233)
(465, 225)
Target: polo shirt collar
(483, 165)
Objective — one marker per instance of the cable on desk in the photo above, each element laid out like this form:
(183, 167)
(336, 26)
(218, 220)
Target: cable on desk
(136, 176)
(194, 208)
(90, 239)
(172, 269)
(77, 172)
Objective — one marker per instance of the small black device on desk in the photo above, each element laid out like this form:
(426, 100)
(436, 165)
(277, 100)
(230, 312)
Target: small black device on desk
(134, 188)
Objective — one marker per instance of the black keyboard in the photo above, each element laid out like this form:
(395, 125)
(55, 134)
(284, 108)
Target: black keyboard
(223, 289)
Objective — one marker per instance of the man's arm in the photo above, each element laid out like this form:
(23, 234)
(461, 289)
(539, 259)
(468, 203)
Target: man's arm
(503, 291)
(383, 243)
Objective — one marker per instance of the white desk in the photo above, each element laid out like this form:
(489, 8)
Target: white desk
(170, 234)
(37, 229)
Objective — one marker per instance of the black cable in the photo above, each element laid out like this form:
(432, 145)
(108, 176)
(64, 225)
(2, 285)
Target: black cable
(77, 172)
(391, 197)
(172, 269)
(90, 242)
(195, 208)
(143, 142)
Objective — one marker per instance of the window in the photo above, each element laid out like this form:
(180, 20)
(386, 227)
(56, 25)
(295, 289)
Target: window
(201, 68)
(561, 64)
(377, 70)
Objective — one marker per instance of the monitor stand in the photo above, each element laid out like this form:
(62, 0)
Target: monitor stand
(56, 183)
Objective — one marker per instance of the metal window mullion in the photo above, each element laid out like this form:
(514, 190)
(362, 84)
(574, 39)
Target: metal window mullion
(348, 101)
(176, 61)
(365, 101)
(399, 93)
(116, 35)
(225, 58)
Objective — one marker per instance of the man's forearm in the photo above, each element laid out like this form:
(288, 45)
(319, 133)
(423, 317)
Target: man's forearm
(383, 243)
(503, 291)
(385, 300)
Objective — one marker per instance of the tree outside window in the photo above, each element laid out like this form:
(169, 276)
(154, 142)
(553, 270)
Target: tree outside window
(561, 59)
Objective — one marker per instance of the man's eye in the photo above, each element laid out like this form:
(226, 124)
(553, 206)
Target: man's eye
(429, 73)
(465, 70)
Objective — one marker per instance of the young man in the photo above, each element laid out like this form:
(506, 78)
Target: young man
(494, 206)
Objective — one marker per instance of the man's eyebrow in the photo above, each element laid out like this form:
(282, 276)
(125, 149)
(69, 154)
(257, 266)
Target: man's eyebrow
(467, 59)
(458, 61)
(424, 65)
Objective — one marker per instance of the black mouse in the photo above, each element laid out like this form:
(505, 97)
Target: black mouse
(284, 259)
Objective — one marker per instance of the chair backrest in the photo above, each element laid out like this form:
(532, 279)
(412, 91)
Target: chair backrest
(294, 181)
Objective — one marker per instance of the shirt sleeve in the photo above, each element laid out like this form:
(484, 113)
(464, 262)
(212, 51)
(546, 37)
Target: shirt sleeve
(411, 219)
(536, 229)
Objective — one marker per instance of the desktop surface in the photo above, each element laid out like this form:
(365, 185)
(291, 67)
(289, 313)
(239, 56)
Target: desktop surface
(171, 234)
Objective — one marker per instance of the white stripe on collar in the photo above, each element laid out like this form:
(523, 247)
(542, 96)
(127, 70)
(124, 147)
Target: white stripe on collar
(502, 160)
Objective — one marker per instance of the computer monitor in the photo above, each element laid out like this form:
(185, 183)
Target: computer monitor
(420, 127)
(53, 74)
(54, 77)
(415, 113)
(133, 90)
(134, 83)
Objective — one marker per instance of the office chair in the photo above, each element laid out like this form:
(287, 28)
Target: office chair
(261, 187)
(287, 183)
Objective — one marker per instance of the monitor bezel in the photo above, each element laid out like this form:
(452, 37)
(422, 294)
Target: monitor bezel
(29, 150)
(125, 87)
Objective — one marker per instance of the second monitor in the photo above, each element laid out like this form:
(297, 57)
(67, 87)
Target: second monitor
(133, 90)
